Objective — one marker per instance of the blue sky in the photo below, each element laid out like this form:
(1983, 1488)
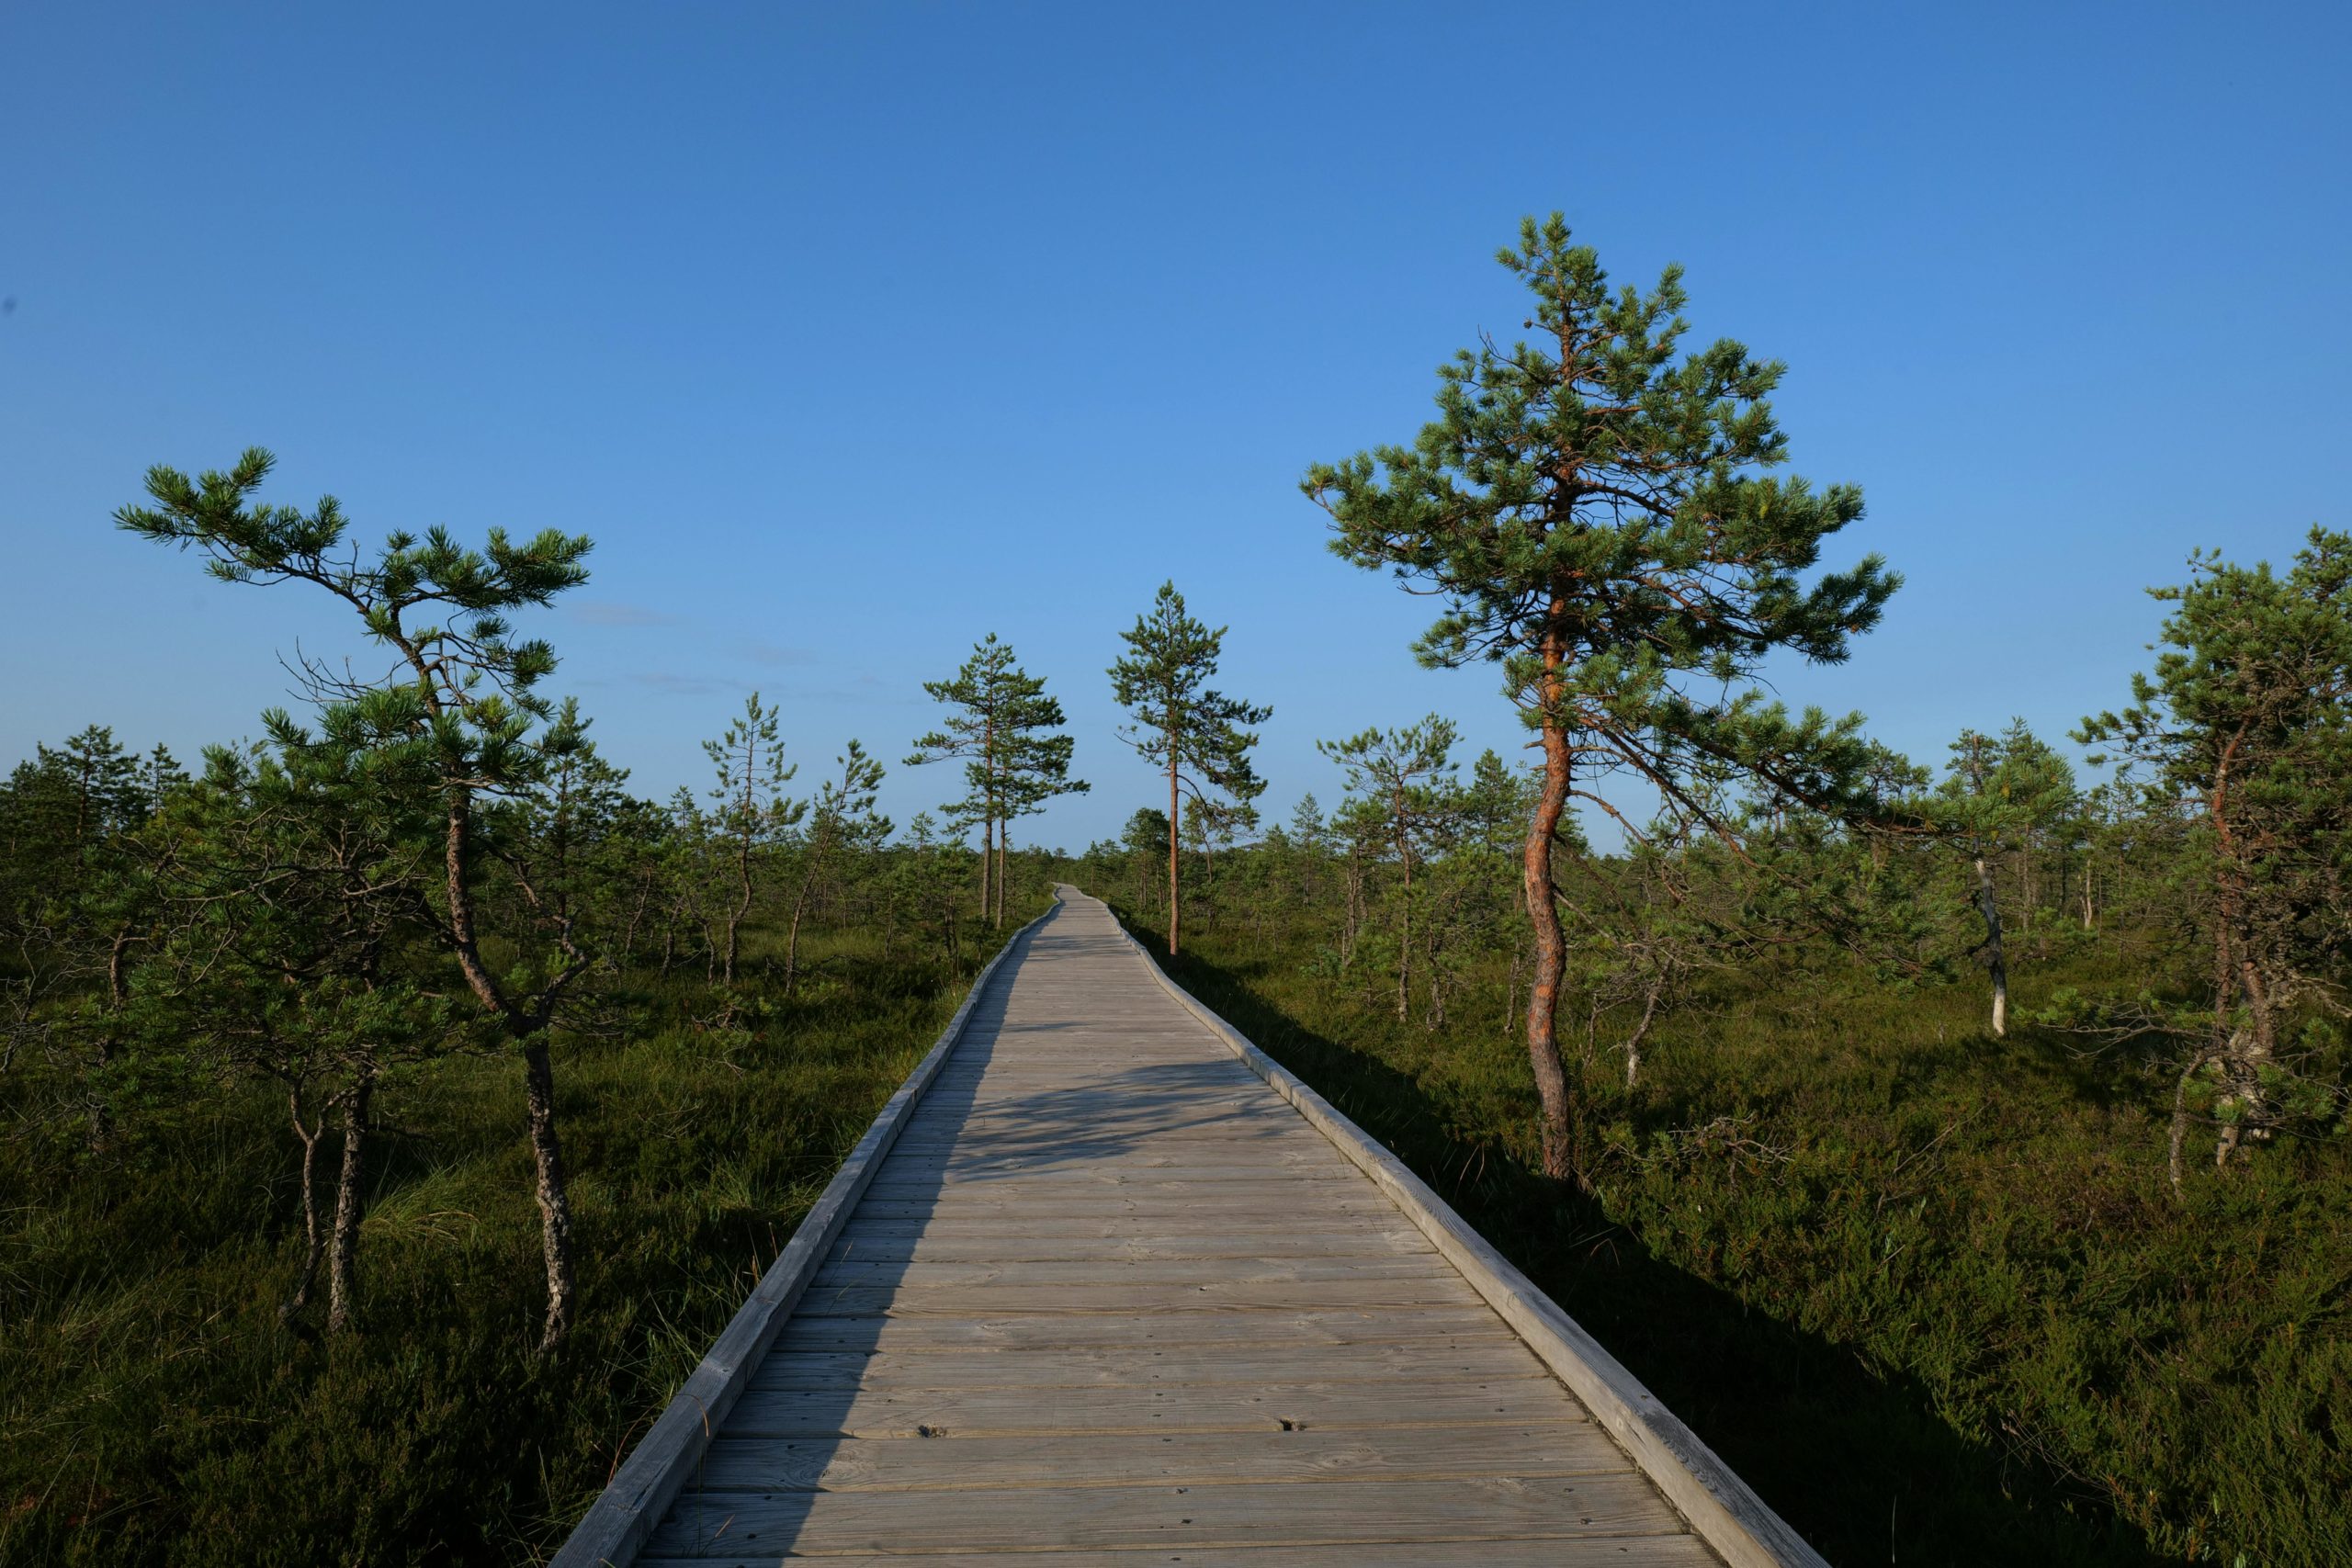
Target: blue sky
(853, 332)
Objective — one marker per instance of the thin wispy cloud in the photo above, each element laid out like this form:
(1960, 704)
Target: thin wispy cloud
(772, 653)
(611, 613)
(673, 681)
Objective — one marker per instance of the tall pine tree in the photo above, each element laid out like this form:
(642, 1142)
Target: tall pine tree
(1002, 726)
(750, 806)
(1591, 511)
(1196, 734)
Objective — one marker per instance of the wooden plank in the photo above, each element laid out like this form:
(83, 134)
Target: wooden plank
(1160, 1172)
(1313, 1455)
(1011, 1106)
(1619, 1552)
(1269, 1156)
(1563, 1508)
(1034, 1331)
(1120, 1273)
(1137, 1301)
(1498, 1354)
(1150, 1244)
(865, 1412)
(1255, 1135)
(1098, 1187)
(1210, 1124)
(1313, 1205)
(1130, 1221)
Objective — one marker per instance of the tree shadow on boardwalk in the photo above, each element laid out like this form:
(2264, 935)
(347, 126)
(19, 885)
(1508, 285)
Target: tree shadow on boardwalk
(1856, 1459)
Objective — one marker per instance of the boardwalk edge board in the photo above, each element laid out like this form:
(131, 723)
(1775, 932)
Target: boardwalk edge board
(1719, 1506)
(617, 1524)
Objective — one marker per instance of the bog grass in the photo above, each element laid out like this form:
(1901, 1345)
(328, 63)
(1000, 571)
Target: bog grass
(154, 1410)
(1928, 1290)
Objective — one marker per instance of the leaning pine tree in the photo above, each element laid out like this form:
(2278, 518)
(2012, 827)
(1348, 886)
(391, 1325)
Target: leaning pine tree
(1592, 512)
(456, 720)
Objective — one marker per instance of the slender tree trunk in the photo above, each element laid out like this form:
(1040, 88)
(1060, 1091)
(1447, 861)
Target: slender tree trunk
(1995, 964)
(987, 865)
(1510, 993)
(2231, 963)
(636, 917)
(1550, 952)
(342, 1293)
(1172, 891)
(1351, 924)
(2180, 1114)
(1641, 1033)
(742, 905)
(1432, 967)
(792, 937)
(1404, 924)
(314, 1239)
(538, 1075)
(2248, 1053)
(554, 1194)
(992, 831)
(1208, 880)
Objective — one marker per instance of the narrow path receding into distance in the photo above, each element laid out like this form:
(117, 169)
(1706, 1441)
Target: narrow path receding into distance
(1111, 1300)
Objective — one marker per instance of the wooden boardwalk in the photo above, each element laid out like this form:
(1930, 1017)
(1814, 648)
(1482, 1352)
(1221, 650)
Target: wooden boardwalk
(1110, 1299)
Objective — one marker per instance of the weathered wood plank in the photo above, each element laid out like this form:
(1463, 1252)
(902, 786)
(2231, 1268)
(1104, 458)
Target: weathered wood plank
(1127, 1226)
(1156, 1244)
(1498, 1355)
(1619, 1552)
(1048, 1331)
(1160, 1174)
(1095, 1458)
(1561, 1507)
(1310, 1205)
(1121, 1273)
(1135, 1301)
(867, 1412)
(1110, 1159)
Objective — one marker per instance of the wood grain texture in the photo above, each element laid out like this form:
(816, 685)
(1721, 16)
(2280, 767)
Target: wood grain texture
(1059, 1458)
(1112, 1298)
(1566, 1509)
(1624, 1552)
(1483, 1356)
(1048, 1331)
